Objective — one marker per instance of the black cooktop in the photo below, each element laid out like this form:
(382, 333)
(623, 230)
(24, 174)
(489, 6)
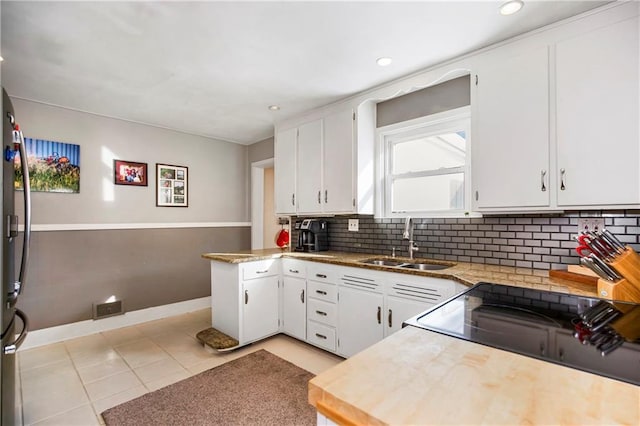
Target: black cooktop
(589, 334)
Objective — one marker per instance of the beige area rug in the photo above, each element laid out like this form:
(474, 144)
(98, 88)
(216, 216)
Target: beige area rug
(257, 389)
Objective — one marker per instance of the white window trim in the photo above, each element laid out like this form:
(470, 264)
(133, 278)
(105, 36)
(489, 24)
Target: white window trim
(451, 120)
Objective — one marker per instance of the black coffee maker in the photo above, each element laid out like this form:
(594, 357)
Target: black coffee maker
(313, 235)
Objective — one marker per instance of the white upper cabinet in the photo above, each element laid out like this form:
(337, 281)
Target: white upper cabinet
(510, 133)
(555, 119)
(333, 166)
(337, 162)
(598, 144)
(285, 171)
(309, 167)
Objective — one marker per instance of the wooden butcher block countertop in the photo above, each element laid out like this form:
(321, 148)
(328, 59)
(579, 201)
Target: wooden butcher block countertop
(417, 377)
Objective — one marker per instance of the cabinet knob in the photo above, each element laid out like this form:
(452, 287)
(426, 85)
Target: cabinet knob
(246, 297)
(293, 199)
(379, 316)
(319, 193)
(326, 196)
(302, 296)
(390, 318)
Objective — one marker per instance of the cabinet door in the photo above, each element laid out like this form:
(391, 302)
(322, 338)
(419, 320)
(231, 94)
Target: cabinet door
(398, 310)
(294, 314)
(510, 127)
(260, 308)
(597, 116)
(359, 320)
(285, 171)
(338, 165)
(309, 169)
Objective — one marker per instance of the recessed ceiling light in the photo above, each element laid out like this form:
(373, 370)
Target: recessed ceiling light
(384, 61)
(511, 7)
(1, 59)
(274, 107)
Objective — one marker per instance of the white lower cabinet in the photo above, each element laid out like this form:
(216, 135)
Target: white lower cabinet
(294, 308)
(294, 298)
(322, 305)
(398, 310)
(337, 308)
(359, 320)
(245, 299)
(260, 309)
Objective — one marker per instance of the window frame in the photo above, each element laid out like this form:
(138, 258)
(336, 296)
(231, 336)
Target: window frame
(387, 137)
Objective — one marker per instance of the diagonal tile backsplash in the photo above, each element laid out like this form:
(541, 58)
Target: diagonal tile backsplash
(528, 241)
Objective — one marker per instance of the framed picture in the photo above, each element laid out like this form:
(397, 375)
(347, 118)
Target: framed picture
(172, 185)
(54, 166)
(129, 173)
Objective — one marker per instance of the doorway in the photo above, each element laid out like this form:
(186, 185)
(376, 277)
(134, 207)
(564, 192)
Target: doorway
(264, 222)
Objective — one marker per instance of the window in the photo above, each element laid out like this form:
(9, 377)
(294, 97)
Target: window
(426, 164)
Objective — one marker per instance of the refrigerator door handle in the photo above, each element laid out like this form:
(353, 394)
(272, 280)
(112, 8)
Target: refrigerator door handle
(13, 347)
(22, 277)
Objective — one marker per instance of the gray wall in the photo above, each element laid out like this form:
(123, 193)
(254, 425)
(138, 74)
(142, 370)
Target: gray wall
(441, 97)
(262, 150)
(144, 267)
(217, 170)
(70, 270)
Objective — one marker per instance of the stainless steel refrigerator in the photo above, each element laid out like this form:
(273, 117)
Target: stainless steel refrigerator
(14, 322)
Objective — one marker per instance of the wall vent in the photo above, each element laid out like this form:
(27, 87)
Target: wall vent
(108, 309)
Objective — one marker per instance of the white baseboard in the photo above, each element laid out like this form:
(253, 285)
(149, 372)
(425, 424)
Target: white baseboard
(60, 333)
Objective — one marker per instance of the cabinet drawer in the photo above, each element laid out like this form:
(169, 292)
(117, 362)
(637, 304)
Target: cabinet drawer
(294, 268)
(322, 272)
(322, 291)
(323, 312)
(321, 335)
(259, 269)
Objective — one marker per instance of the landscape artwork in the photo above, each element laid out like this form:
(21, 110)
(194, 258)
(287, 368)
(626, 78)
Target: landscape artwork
(53, 166)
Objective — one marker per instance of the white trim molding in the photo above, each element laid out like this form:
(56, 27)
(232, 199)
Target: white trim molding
(60, 333)
(105, 226)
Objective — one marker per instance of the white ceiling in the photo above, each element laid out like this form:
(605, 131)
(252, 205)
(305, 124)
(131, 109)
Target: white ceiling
(212, 68)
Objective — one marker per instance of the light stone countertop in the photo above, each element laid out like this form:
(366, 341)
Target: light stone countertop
(468, 274)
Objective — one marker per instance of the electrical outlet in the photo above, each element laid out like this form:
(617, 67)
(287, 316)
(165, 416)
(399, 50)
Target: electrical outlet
(354, 225)
(590, 224)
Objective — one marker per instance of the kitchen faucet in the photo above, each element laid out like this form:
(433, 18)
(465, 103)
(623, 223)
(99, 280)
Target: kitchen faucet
(408, 235)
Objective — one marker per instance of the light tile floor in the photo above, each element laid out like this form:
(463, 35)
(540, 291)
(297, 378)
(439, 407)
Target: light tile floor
(72, 382)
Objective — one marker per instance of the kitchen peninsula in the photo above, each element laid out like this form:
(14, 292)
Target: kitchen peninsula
(416, 376)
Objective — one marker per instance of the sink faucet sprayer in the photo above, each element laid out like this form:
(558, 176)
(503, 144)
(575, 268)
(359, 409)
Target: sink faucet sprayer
(408, 235)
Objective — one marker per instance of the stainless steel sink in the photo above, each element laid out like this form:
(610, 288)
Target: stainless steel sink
(424, 266)
(382, 262)
(405, 264)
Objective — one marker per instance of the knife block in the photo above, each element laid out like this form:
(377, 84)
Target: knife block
(628, 265)
(622, 290)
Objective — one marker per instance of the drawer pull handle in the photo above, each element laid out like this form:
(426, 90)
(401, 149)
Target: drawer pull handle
(321, 336)
(302, 296)
(262, 272)
(562, 172)
(246, 297)
(379, 316)
(324, 314)
(324, 293)
(294, 271)
(321, 276)
(390, 318)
